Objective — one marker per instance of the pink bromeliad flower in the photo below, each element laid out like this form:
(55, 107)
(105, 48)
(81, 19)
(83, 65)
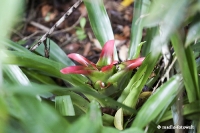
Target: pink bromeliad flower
(104, 68)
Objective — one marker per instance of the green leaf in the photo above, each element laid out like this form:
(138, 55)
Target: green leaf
(82, 22)
(13, 45)
(133, 81)
(93, 117)
(157, 102)
(193, 34)
(3, 114)
(21, 102)
(38, 77)
(64, 105)
(133, 130)
(82, 37)
(137, 54)
(196, 47)
(100, 22)
(107, 120)
(56, 53)
(161, 12)
(109, 130)
(50, 67)
(140, 8)
(15, 74)
(187, 66)
(188, 110)
(151, 33)
(136, 84)
(80, 32)
(119, 119)
(12, 11)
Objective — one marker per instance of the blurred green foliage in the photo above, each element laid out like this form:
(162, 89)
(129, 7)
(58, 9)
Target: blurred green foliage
(32, 102)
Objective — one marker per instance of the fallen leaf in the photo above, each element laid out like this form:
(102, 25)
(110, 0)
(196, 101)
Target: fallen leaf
(126, 31)
(48, 13)
(83, 10)
(123, 52)
(72, 48)
(97, 44)
(45, 10)
(87, 49)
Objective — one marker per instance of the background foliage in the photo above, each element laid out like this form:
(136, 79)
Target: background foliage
(31, 100)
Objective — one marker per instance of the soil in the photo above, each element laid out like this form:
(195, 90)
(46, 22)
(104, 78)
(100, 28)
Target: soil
(41, 15)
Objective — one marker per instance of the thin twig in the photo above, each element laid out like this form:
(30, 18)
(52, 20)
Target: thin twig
(31, 35)
(44, 37)
(166, 75)
(42, 27)
(69, 28)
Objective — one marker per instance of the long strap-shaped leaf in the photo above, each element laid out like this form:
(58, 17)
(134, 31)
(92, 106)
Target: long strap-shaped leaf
(100, 22)
(187, 66)
(157, 102)
(140, 8)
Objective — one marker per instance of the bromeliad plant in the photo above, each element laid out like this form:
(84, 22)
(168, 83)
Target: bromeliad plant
(105, 74)
(26, 76)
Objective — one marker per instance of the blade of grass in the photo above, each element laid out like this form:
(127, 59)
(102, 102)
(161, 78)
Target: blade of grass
(140, 78)
(64, 105)
(151, 33)
(38, 77)
(188, 110)
(187, 66)
(159, 100)
(18, 100)
(193, 34)
(3, 114)
(13, 45)
(16, 75)
(83, 89)
(100, 22)
(133, 130)
(140, 8)
(164, 16)
(50, 67)
(93, 116)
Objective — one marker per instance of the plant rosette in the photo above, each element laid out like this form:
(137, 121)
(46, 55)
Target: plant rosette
(106, 72)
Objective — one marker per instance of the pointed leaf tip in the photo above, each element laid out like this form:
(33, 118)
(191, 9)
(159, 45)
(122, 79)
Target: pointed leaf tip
(106, 56)
(108, 67)
(76, 70)
(82, 60)
(132, 64)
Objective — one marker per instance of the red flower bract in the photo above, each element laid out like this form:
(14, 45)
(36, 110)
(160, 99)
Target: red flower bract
(82, 60)
(76, 70)
(132, 64)
(105, 63)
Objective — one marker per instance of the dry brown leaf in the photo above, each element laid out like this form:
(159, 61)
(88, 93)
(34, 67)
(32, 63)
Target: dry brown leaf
(119, 43)
(48, 13)
(97, 44)
(83, 10)
(87, 49)
(126, 31)
(123, 52)
(45, 10)
(119, 37)
(71, 48)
